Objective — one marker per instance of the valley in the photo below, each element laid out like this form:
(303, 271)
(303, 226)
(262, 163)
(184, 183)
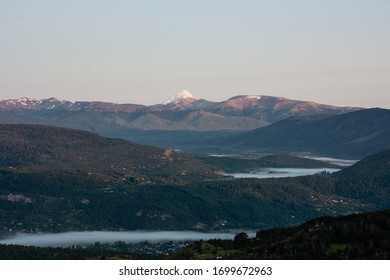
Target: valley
(153, 190)
(57, 179)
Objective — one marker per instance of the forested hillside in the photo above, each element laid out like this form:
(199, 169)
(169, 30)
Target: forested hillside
(51, 149)
(352, 135)
(56, 179)
(359, 236)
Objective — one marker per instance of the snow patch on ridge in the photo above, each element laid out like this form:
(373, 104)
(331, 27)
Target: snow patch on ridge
(254, 97)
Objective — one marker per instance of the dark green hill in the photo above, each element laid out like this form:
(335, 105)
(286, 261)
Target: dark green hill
(41, 148)
(368, 179)
(351, 135)
(374, 166)
(359, 236)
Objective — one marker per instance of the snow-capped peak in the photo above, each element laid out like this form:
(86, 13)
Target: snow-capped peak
(184, 94)
(24, 101)
(31, 103)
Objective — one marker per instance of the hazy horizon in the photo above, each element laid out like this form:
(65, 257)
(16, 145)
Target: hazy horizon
(330, 52)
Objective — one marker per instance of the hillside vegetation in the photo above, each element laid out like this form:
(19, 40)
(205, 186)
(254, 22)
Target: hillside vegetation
(45, 148)
(352, 135)
(55, 179)
(359, 236)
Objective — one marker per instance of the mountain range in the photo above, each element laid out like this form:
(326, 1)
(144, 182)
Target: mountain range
(181, 112)
(246, 124)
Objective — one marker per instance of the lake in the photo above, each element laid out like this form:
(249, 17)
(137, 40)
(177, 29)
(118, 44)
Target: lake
(263, 173)
(90, 237)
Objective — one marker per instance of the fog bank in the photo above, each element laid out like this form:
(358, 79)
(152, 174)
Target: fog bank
(282, 172)
(90, 237)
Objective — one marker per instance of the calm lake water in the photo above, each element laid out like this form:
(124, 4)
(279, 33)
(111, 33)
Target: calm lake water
(90, 237)
(281, 172)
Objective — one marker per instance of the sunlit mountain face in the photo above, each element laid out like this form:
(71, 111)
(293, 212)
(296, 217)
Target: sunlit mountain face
(183, 111)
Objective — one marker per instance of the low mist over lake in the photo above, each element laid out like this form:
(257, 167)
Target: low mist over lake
(282, 172)
(90, 237)
(336, 161)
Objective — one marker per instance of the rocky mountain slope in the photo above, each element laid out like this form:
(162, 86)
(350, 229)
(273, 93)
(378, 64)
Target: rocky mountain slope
(181, 112)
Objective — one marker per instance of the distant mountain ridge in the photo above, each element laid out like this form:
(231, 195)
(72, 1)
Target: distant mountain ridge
(181, 112)
(353, 135)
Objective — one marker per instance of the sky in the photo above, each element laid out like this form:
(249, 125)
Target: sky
(143, 52)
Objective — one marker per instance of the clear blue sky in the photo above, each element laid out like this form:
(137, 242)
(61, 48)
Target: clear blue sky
(334, 52)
